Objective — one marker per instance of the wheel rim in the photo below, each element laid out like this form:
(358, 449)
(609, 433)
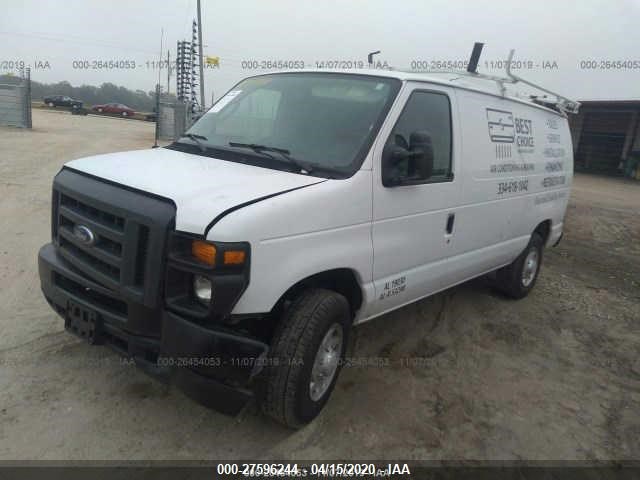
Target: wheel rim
(530, 267)
(326, 362)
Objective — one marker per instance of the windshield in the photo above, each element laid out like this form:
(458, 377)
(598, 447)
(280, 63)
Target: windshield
(324, 121)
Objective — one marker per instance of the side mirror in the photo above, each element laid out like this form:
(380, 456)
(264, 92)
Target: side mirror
(392, 156)
(422, 150)
(418, 155)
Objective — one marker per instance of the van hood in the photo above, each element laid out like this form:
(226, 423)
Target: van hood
(202, 188)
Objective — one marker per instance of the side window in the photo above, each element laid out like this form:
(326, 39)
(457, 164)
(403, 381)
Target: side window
(419, 147)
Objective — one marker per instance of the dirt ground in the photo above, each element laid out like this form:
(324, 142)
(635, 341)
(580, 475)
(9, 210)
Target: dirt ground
(466, 374)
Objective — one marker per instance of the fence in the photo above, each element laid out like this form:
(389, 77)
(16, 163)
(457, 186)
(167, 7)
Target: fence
(174, 117)
(15, 102)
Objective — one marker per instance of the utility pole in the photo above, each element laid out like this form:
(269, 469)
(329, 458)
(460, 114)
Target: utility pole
(168, 71)
(160, 59)
(157, 108)
(201, 58)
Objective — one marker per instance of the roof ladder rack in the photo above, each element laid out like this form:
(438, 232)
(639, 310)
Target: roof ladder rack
(561, 103)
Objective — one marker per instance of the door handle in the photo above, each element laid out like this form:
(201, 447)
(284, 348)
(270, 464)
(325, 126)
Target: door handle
(450, 220)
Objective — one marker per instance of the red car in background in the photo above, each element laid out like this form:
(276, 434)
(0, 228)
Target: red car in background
(117, 108)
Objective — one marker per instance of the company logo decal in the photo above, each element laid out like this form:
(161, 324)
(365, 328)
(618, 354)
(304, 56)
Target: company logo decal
(501, 126)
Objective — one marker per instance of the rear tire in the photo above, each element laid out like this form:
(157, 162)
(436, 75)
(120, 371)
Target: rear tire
(50, 104)
(294, 392)
(124, 114)
(518, 279)
(99, 110)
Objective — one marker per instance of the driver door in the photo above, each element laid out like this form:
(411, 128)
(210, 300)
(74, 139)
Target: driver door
(414, 215)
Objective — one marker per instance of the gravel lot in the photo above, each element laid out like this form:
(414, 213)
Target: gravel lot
(553, 376)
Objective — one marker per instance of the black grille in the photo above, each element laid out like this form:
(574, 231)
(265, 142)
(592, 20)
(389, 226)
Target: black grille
(102, 260)
(141, 258)
(129, 230)
(96, 263)
(105, 218)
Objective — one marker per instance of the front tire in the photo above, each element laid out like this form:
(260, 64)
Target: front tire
(50, 104)
(518, 279)
(306, 356)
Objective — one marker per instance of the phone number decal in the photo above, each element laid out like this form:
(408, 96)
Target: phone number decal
(513, 186)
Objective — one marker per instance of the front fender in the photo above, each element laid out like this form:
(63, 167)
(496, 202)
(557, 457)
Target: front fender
(302, 233)
(279, 264)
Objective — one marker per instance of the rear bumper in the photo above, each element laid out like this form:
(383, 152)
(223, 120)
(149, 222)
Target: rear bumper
(215, 367)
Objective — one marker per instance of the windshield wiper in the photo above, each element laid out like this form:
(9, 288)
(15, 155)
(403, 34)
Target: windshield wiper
(284, 153)
(196, 138)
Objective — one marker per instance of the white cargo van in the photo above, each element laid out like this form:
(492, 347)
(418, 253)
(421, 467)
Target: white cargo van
(235, 261)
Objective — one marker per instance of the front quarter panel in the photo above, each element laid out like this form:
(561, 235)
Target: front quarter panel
(301, 233)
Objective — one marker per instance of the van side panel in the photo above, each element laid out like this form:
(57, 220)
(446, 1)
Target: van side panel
(518, 169)
(513, 163)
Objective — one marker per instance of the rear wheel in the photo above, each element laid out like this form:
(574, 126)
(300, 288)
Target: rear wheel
(518, 279)
(306, 356)
(50, 104)
(124, 114)
(99, 110)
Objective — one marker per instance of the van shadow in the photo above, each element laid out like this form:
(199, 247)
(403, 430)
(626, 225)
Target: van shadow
(190, 430)
(377, 349)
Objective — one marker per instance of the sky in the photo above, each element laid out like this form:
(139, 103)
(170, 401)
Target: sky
(585, 49)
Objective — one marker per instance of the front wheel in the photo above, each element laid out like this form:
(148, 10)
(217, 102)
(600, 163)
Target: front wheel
(306, 356)
(518, 279)
(50, 104)
(124, 114)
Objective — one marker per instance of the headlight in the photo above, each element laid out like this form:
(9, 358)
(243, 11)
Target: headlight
(205, 279)
(202, 289)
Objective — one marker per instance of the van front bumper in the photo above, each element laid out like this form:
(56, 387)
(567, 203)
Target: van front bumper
(214, 366)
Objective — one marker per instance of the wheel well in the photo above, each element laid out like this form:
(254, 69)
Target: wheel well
(544, 229)
(341, 280)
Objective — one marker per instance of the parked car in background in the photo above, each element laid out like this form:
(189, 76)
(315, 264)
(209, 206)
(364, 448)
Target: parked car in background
(117, 108)
(62, 101)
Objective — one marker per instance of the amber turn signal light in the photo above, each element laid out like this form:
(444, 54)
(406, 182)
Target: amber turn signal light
(234, 257)
(203, 251)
